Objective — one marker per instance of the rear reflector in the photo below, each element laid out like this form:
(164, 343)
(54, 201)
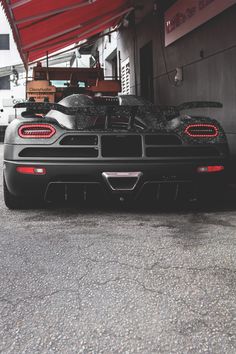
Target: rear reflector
(28, 170)
(210, 169)
(36, 131)
(201, 130)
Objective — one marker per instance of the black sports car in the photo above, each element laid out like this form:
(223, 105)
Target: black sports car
(117, 147)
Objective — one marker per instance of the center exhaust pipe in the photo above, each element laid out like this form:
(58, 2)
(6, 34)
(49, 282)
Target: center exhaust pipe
(122, 181)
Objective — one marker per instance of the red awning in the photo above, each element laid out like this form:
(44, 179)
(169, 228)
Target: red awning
(41, 26)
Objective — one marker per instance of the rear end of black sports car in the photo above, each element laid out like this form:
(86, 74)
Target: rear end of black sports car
(97, 151)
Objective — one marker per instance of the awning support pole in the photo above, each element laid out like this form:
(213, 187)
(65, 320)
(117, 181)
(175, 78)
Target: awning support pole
(27, 74)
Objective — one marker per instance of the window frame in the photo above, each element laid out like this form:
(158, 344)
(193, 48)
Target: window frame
(5, 44)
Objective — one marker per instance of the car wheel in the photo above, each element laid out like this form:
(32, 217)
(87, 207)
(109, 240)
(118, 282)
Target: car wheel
(12, 202)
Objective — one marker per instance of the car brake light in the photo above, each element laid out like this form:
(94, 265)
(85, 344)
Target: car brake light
(210, 169)
(202, 131)
(38, 131)
(28, 170)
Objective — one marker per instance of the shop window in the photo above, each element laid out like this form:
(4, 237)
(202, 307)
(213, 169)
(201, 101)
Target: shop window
(5, 83)
(4, 42)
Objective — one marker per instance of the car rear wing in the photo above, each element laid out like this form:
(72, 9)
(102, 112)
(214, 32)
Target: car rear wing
(33, 109)
(171, 112)
(45, 107)
(199, 104)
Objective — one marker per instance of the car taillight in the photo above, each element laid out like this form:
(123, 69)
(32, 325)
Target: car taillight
(210, 169)
(30, 170)
(36, 131)
(201, 130)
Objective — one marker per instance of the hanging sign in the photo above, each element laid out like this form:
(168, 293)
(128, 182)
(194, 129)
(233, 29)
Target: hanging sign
(186, 15)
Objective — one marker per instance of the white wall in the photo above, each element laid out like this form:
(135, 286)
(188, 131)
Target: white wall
(107, 49)
(9, 58)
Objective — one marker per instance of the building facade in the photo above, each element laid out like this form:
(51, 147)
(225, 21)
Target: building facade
(12, 73)
(104, 51)
(198, 66)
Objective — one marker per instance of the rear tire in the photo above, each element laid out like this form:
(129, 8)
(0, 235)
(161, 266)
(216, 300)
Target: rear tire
(12, 202)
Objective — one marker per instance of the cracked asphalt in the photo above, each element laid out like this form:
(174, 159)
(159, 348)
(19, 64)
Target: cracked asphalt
(118, 281)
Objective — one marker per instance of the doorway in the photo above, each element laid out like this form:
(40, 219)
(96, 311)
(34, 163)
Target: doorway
(146, 72)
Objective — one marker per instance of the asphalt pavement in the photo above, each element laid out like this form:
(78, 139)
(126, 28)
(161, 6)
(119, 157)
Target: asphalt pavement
(109, 280)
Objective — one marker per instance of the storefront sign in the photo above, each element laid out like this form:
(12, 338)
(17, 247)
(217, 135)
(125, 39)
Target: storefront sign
(186, 15)
(39, 89)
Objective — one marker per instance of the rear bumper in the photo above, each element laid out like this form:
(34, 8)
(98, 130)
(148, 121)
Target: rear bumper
(61, 176)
